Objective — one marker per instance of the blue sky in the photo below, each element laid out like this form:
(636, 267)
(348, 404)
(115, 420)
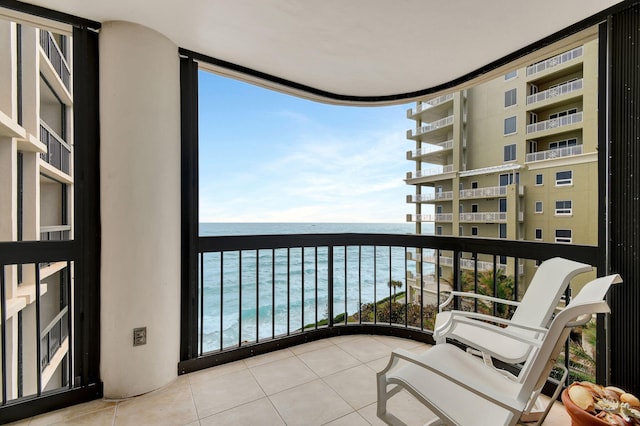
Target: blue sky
(270, 157)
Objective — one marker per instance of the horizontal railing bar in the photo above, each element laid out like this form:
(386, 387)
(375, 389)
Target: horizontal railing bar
(26, 252)
(524, 249)
(54, 321)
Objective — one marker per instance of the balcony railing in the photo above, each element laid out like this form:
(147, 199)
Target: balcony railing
(438, 217)
(554, 123)
(447, 121)
(430, 172)
(55, 233)
(487, 217)
(435, 148)
(436, 196)
(554, 153)
(260, 292)
(57, 59)
(431, 103)
(555, 61)
(560, 90)
(52, 337)
(493, 191)
(470, 264)
(58, 151)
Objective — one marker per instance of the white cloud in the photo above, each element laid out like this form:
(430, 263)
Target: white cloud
(319, 177)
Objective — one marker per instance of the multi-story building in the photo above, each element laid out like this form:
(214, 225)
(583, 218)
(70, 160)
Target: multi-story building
(514, 158)
(36, 201)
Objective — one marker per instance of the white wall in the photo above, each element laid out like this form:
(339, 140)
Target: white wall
(140, 208)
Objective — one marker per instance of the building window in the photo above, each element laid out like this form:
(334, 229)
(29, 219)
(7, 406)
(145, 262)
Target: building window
(510, 97)
(502, 230)
(510, 152)
(502, 205)
(563, 236)
(509, 125)
(510, 75)
(438, 230)
(474, 185)
(474, 230)
(460, 208)
(563, 144)
(563, 208)
(508, 179)
(564, 178)
(474, 208)
(538, 207)
(539, 179)
(460, 230)
(563, 113)
(438, 209)
(538, 234)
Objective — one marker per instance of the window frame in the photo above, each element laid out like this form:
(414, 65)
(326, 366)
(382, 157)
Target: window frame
(511, 98)
(510, 153)
(538, 234)
(515, 125)
(564, 181)
(510, 75)
(564, 239)
(564, 210)
(535, 207)
(540, 181)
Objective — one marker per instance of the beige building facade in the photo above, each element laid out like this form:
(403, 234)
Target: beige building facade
(514, 157)
(36, 200)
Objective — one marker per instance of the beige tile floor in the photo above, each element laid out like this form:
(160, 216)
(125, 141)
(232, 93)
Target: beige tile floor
(327, 382)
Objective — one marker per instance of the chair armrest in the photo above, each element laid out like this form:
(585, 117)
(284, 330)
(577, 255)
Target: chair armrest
(476, 296)
(488, 322)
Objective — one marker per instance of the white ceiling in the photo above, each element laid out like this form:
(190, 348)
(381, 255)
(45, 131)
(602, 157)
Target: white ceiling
(348, 47)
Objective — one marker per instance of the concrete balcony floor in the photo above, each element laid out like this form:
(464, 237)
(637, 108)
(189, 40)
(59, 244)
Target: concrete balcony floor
(327, 382)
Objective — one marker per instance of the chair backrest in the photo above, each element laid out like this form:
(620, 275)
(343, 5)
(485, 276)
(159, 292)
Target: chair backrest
(545, 290)
(589, 301)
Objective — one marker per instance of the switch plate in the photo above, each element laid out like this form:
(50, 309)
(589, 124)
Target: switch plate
(139, 336)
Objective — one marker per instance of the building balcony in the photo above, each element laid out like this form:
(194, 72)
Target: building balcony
(430, 198)
(54, 345)
(555, 123)
(429, 106)
(555, 61)
(438, 151)
(470, 264)
(58, 152)
(55, 56)
(435, 172)
(554, 153)
(488, 217)
(55, 233)
(438, 217)
(488, 192)
(430, 127)
(556, 92)
(10, 128)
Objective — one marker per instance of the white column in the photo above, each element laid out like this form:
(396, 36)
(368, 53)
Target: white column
(140, 208)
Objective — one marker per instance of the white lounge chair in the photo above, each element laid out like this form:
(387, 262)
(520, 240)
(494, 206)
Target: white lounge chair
(534, 311)
(462, 390)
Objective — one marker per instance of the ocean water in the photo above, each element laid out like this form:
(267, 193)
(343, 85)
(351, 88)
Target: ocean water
(256, 295)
